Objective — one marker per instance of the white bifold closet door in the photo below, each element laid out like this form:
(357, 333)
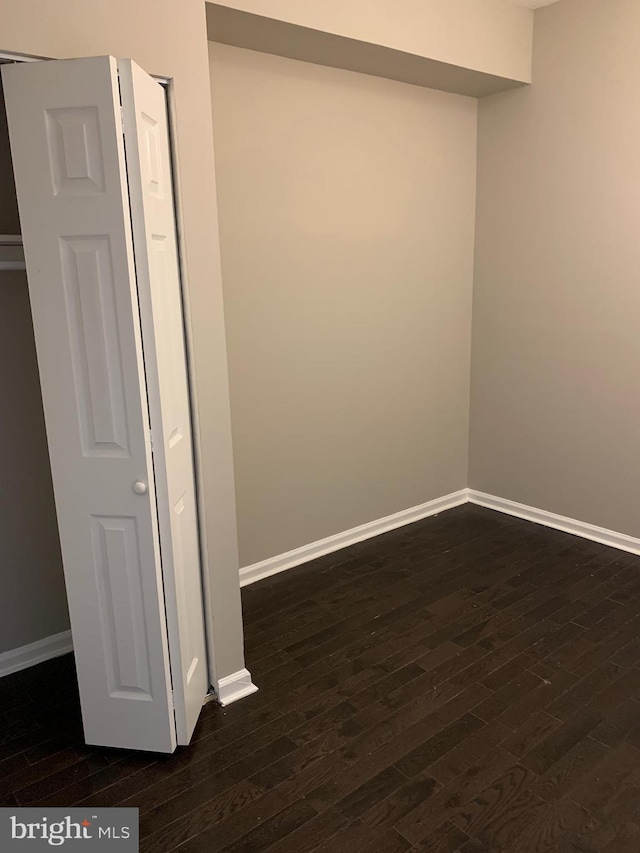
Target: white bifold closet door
(90, 151)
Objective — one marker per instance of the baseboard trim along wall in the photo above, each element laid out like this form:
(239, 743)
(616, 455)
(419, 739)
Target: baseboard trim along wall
(560, 522)
(235, 686)
(30, 655)
(239, 684)
(282, 562)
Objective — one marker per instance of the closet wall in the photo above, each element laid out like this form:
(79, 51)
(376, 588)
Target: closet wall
(32, 594)
(347, 207)
(556, 337)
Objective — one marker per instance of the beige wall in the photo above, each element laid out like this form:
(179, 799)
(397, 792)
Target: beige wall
(347, 219)
(169, 38)
(492, 36)
(556, 339)
(238, 28)
(33, 601)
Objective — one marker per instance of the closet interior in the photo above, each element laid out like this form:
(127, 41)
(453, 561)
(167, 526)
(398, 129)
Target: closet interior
(32, 592)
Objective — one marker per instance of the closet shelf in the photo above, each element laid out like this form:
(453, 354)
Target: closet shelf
(11, 252)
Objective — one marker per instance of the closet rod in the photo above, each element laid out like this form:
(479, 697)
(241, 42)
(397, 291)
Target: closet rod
(11, 252)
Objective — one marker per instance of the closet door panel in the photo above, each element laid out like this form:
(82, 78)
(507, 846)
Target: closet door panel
(156, 254)
(68, 152)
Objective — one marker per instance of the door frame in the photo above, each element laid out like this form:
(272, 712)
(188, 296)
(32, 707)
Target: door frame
(7, 56)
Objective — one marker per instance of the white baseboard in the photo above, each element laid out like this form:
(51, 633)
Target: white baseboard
(266, 568)
(45, 649)
(558, 522)
(235, 686)
(274, 565)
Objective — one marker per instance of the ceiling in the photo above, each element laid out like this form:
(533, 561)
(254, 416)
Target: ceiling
(533, 4)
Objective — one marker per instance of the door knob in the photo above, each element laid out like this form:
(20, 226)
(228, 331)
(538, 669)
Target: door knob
(139, 487)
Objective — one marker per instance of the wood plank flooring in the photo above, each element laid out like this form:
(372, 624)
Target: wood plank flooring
(467, 684)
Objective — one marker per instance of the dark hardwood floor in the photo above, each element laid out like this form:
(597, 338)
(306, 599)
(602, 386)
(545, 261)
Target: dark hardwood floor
(470, 683)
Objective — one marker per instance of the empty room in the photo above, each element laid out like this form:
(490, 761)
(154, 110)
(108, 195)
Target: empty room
(319, 332)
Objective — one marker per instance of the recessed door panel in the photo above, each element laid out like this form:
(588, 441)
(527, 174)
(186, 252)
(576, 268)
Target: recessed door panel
(75, 151)
(94, 334)
(116, 552)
